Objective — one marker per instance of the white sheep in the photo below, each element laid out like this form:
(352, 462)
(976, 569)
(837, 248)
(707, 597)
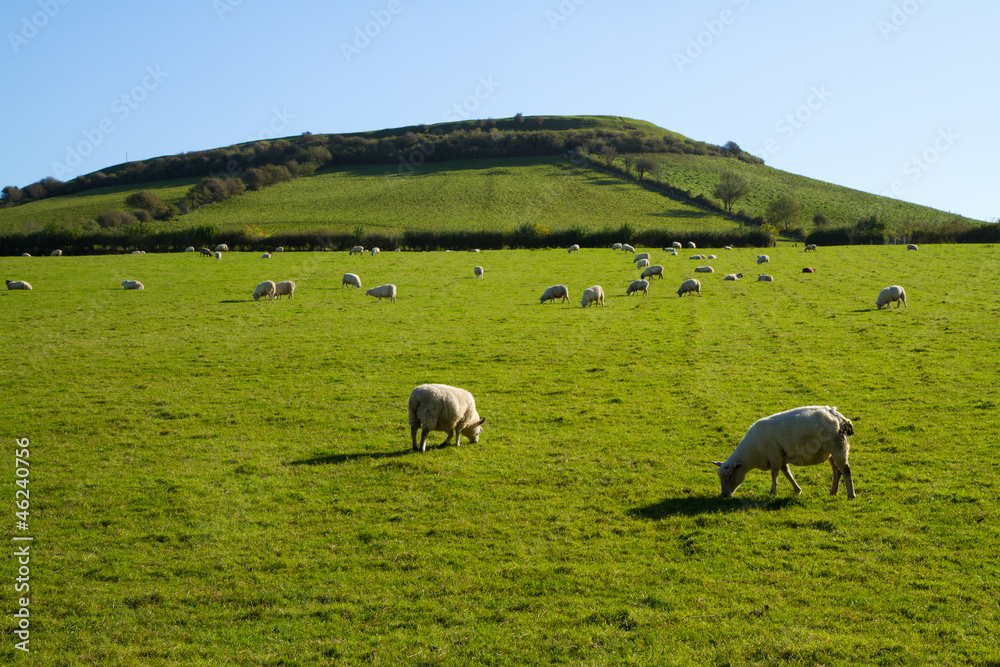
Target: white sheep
(266, 255)
(638, 286)
(697, 257)
(473, 250)
(627, 248)
(205, 252)
(279, 249)
(728, 247)
(642, 263)
(25, 254)
(218, 255)
(478, 271)
(386, 291)
(654, 270)
(616, 246)
(133, 284)
(439, 407)
(55, 253)
(136, 252)
(190, 248)
(801, 436)
(266, 288)
(712, 257)
(18, 284)
(350, 280)
(285, 287)
(910, 246)
(641, 255)
(691, 245)
(704, 269)
(222, 247)
(555, 292)
(890, 294)
(733, 276)
(360, 250)
(675, 244)
(811, 246)
(692, 286)
(592, 296)
(764, 278)
(375, 251)
(574, 248)
(763, 259)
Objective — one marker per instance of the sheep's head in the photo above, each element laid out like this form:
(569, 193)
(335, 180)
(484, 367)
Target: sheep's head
(471, 433)
(730, 476)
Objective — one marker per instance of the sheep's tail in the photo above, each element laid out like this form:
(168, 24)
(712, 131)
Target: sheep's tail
(846, 426)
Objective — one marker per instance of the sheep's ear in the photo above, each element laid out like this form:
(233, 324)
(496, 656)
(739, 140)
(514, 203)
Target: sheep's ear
(718, 464)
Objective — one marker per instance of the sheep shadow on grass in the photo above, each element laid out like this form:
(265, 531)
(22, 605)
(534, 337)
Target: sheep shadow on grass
(693, 506)
(344, 458)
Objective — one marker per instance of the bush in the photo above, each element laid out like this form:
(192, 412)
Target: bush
(113, 218)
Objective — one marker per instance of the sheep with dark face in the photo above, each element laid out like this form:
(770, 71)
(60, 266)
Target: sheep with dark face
(439, 407)
(804, 436)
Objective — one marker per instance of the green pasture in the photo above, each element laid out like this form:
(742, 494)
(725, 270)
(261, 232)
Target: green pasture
(219, 481)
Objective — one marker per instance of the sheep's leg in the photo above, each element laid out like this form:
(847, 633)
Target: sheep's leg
(836, 478)
(458, 436)
(446, 440)
(423, 439)
(413, 435)
(774, 481)
(788, 474)
(845, 470)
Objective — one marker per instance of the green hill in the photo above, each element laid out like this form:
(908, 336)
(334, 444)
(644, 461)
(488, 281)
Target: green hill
(422, 178)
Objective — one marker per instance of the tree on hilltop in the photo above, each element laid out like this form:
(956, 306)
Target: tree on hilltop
(731, 188)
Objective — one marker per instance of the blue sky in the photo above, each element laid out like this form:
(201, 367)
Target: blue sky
(892, 97)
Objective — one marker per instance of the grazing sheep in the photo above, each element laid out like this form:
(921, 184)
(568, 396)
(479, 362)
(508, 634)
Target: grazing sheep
(592, 296)
(801, 436)
(135, 252)
(266, 288)
(439, 407)
(375, 251)
(360, 250)
(808, 269)
(222, 247)
(285, 287)
(205, 252)
(616, 246)
(218, 255)
(132, 284)
(627, 248)
(55, 253)
(555, 292)
(733, 276)
(692, 285)
(638, 286)
(704, 269)
(910, 246)
(387, 291)
(190, 248)
(574, 248)
(697, 257)
(728, 247)
(641, 255)
(654, 270)
(350, 280)
(266, 255)
(673, 254)
(675, 244)
(18, 284)
(712, 257)
(279, 249)
(763, 259)
(811, 246)
(691, 245)
(642, 263)
(473, 250)
(478, 271)
(24, 254)
(890, 294)
(764, 278)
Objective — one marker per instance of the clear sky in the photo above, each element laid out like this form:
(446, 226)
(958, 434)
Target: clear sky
(893, 97)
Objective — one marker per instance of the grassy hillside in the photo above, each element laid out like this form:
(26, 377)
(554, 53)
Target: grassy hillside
(219, 481)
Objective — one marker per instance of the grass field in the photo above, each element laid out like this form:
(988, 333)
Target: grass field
(220, 481)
